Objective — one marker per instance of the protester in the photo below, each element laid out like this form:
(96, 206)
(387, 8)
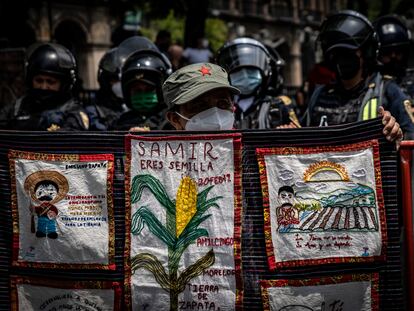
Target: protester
(48, 103)
(198, 54)
(256, 72)
(199, 98)
(349, 47)
(163, 41)
(175, 54)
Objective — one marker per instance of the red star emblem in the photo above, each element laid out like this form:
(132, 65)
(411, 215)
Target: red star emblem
(205, 71)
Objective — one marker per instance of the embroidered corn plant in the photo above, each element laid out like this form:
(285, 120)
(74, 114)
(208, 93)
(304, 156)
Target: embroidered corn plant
(184, 215)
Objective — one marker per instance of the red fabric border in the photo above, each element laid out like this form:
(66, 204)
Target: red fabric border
(237, 146)
(337, 279)
(17, 280)
(15, 154)
(261, 152)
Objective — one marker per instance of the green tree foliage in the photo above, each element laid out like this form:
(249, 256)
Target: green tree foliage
(175, 25)
(216, 29)
(216, 32)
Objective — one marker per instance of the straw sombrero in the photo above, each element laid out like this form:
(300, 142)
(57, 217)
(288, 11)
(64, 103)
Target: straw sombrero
(33, 179)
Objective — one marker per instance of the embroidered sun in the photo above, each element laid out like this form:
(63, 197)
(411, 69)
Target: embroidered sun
(325, 166)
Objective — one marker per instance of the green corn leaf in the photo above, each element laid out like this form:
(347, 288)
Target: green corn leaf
(195, 270)
(189, 238)
(192, 224)
(144, 216)
(140, 182)
(183, 242)
(202, 196)
(151, 263)
(203, 206)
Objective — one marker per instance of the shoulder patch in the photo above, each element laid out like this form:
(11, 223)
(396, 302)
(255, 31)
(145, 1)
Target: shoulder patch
(388, 77)
(410, 109)
(285, 100)
(85, 119)
(53, 128)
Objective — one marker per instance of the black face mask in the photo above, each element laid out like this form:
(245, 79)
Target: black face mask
(46, 99)
(394, 68)
(345, 63)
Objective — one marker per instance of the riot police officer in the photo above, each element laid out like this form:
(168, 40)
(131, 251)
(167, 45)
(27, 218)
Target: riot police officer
(256, 72)
(109, 104)
(349, 47)
(142, 76)
(394, 52)
(394, 38)
(48, 103)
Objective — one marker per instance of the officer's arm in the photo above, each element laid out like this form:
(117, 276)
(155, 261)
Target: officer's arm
(6, 115)
(76, 121)
(399, 107)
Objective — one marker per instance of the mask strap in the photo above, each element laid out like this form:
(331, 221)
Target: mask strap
(185, 118)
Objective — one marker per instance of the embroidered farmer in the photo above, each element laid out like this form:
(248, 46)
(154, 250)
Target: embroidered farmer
(286, 195)
(286, 213)
(45, 188)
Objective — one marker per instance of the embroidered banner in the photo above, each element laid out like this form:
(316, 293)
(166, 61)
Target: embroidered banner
(32, 294)
(183, 227)
(322, 204)
(62, 210)
(343, 292)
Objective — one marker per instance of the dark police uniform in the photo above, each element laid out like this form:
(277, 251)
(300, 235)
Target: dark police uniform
(25, 115)
(104, 114)
(265, 113)
(130, 119)
(332, 105)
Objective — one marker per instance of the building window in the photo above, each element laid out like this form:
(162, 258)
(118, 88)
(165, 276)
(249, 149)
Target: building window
(280, 8)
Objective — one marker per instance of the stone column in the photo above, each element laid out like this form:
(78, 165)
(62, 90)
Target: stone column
(296, 59)
(43, 31)
(99, 43)
(295, 64)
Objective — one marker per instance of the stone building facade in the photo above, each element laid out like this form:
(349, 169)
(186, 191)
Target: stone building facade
(87, 28)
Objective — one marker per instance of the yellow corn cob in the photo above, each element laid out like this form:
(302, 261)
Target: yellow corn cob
(185, 203)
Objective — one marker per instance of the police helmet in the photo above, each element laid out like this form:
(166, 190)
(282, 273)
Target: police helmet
(278, 63)
(244, 52)
(247, 53)
(109, 69)
(52, 59)
(149, 66)
(351, 30)
(393, 34)
(133, 44)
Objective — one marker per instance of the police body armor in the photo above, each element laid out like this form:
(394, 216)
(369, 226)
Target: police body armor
(266, 113)
(68, 116)
(132, 119)
(407, 85)
(332, 109)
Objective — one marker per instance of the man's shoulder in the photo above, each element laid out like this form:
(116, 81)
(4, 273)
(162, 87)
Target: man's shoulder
(71, 104)
(393, 91)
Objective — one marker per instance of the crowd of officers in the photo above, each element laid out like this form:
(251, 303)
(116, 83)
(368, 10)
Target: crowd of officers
(140, 90)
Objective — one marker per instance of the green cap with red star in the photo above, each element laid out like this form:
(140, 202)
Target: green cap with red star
(194, 80)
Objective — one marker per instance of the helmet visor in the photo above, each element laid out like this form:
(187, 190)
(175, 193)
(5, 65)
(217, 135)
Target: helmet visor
(345, 31)
(243, 55)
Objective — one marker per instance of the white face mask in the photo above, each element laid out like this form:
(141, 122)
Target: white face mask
(117, 89)
(213, 119)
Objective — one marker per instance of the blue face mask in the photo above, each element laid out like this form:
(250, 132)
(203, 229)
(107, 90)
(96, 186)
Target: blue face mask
(247, 80)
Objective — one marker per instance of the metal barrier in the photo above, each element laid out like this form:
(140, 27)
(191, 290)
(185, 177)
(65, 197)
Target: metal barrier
(407, 193)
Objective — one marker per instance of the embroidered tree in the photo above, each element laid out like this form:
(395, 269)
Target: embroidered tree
(184, 216)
